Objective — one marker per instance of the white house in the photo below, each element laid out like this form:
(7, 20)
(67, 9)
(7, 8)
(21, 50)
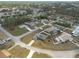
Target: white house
(76, 31)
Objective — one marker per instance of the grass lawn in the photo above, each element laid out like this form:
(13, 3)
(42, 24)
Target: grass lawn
(40, 55)
(2, 36)
(46, 26)
(19, 52)
(17, 31)
(26, 39)
(39, 25)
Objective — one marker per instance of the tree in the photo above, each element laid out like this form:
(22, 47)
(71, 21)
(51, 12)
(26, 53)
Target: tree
(12, 21)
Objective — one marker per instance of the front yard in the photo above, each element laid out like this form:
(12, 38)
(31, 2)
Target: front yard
(19, 52)
(40, 55)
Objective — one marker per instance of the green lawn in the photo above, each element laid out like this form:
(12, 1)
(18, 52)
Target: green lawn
(46, 26)
(40, 55)
(18, 31)
(2, 36)
(39, 25)
(19, 52)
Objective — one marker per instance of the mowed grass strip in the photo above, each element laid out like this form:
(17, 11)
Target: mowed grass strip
(17, 31)
(2, 35)
(40, 55)
(19, 52)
